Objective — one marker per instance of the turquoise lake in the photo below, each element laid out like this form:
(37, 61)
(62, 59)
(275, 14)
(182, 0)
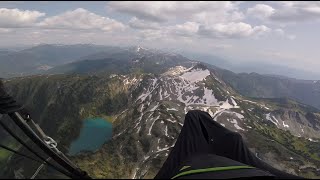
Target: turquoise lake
(94, 133)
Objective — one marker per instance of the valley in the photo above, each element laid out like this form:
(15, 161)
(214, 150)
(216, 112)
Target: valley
(146, 96)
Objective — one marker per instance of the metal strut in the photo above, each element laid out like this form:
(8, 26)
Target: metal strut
(19, 121)
(9, 106)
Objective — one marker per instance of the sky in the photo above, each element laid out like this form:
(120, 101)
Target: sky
(278, 33)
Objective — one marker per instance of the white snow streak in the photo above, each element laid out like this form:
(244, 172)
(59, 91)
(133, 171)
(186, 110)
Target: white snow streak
(270, 118)
(235, 123)
(152, 125)
(166, 131)
(171, 121)
(155, 107)
(171, 109)
(285, 125)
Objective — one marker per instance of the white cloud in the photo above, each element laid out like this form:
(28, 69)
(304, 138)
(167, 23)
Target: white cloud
(151, 35)
(232, 30)
(210, 17)
(5, 30)
(143, 10)
(287, 12)
(163, 11)
(260, 11)
(81, 19)
(196, 30)
(260, 30)
(14, 18)
(187, 29)
(199, 19)
(142, 24)
(280, 32)
(213, 19)
(179, 32)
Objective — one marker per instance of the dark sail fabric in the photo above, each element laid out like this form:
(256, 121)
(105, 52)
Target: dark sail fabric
(204, 143)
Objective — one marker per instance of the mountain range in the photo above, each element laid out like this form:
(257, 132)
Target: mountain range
(146, 94)
(63, 59)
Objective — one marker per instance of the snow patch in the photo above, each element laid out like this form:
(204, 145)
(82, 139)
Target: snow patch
(235, 123)
(196, 75)
(166, 131)
(171, 121)
(240, 116)
(149, 133)
(234, 103)
(119, 134)
(155, 107)
(138, 129)
(135, 173)
(270, 118)
(226, 105)
(171, 109)
(312, 140)
(141, 108)
(164, 149)
(146, 157)
(249, 101)
(177, 70)
(209, 97)
(112, 75)
(285, 125)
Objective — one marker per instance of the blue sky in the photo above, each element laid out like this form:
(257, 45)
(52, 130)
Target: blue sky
(279, 33)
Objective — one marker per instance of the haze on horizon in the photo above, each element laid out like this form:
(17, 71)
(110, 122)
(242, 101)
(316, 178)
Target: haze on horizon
(279, 34)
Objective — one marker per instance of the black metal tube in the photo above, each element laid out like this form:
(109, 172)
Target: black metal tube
(77, 173)
(18, 153)
(67, 173)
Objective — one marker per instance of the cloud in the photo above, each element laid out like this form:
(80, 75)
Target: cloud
(218, 16)
(187, 19)
(298, 13)
(178, 32)
(16, 18)
(286, 12)
(232, 30)
(187, 29)
(196, 30)
(280, 32)
(81, 19)
(148, 11)
(136, 23)
(5, 30)
(171, 10)
(260, 11)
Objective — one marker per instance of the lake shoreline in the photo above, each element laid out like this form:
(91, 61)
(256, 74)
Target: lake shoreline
(94, 133)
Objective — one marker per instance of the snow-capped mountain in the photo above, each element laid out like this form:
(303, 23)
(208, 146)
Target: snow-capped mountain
(147, 94)
(159, 102)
